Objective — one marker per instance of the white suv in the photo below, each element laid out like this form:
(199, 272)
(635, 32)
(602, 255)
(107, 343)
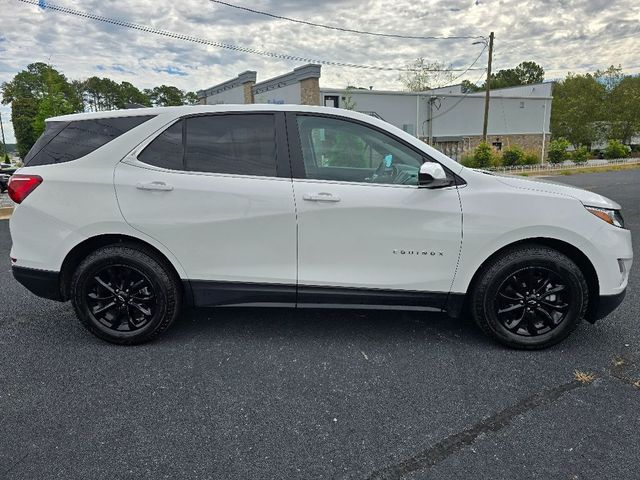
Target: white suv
(132, 214)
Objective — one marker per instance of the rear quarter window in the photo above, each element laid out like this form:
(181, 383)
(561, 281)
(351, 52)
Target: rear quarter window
(66, 141)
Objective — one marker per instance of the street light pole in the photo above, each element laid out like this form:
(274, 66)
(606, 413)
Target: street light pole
(487, 90)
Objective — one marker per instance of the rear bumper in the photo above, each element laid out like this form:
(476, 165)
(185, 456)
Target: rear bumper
(43, 283)
(605, 305)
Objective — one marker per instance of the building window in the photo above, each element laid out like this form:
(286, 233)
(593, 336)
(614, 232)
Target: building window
(521, 104)
(331, 101)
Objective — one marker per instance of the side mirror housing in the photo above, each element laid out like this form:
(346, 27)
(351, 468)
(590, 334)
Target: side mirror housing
(432, 175)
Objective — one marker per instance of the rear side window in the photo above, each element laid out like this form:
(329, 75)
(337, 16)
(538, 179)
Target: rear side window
(243, 144)
(66, 141)
(166, 150)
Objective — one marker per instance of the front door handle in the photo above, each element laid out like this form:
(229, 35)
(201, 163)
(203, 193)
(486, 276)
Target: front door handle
(163, 187)
(321, 197)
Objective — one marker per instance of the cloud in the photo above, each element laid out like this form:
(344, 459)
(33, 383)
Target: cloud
(561, 35)
(172, 71)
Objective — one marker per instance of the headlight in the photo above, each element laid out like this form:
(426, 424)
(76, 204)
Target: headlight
(612, 217)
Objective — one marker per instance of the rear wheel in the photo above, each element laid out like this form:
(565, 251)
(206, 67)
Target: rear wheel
(530, 297)
(125, 294)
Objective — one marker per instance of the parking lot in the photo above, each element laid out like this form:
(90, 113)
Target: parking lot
(275, 393)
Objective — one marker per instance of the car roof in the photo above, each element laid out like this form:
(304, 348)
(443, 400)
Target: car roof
(219, 108)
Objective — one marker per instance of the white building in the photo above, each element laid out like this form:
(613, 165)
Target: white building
(447, 117)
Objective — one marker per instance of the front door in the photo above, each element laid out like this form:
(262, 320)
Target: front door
(366, 232)
(212, 189)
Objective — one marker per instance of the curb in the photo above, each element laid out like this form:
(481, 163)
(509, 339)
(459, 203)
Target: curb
(5, 213)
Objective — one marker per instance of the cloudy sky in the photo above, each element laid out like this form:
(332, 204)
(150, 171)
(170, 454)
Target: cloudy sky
(561, 35)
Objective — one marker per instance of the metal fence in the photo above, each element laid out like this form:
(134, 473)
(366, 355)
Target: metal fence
(550, 167)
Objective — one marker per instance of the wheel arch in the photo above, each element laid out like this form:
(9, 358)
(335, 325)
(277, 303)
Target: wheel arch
(576, 255)
(84, 248)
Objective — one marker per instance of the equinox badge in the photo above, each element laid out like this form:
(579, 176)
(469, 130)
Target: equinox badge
(418, 252)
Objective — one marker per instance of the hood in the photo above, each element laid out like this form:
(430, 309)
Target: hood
(586, 197)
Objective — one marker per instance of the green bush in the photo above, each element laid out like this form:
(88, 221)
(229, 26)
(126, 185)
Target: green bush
(468, 161)
(513, 155)
(580, 155)
(483, 155)
(615, 149)
(558, 150)
(530, 158)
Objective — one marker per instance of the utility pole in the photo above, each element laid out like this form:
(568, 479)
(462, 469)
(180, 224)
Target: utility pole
(4, 144)
(487, 90)
(430, 116)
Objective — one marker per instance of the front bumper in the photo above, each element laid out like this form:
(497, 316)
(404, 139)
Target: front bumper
(604, 305)
(43, 283)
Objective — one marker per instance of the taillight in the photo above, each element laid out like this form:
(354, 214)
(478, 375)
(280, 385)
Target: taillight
(20, 186)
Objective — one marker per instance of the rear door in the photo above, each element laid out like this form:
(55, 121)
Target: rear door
(366, 232)
(216, 191)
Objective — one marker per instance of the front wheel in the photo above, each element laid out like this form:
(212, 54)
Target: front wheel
(125, 294)
(530, 297)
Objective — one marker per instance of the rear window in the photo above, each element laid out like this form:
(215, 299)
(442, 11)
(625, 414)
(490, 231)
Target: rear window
(66, 141)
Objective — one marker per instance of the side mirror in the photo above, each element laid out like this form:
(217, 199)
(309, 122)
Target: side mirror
(432, 175)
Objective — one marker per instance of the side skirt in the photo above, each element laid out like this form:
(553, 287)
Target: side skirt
(214, 294)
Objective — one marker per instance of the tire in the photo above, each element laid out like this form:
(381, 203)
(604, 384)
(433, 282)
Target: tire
(515, 289)
(125, 294)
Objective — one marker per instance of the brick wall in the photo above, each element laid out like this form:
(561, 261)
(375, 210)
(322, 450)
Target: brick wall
(528, 141)
(310, 91)
(248, 91)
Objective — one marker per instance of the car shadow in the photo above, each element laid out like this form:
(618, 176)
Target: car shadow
(309, 323)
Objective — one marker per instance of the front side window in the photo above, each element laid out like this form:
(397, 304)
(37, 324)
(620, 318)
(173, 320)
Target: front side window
(336, 149)
(66, 141)
(243, 144)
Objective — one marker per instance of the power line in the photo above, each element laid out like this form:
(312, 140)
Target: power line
(348, 30)
(458, 102)
(470, 67)
(237, 48)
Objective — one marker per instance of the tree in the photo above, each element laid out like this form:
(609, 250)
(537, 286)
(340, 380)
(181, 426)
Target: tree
(53, 103)
(423, 75)
(578, 105)
(610, 77)
(526, 73)
(624, 109)
(165, 96)
(349, 103)
(38, 90)
(468, 86)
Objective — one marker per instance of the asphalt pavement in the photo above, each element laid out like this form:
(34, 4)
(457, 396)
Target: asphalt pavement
(275, 393)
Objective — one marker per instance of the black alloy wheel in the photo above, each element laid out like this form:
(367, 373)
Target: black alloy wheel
(126, 293)
(121, 298)
(529, 296)
(533, 301)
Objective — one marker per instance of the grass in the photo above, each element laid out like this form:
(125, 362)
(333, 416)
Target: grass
(573, 171)
(584, 377)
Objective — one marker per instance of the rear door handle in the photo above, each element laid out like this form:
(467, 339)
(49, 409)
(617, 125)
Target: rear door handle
(164, 187)
(321, 197)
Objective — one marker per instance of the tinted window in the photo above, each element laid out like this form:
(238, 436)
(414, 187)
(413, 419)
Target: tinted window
(166, 150)
(240, 144)
(79, 138)
(335, 149)
(51, 130)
